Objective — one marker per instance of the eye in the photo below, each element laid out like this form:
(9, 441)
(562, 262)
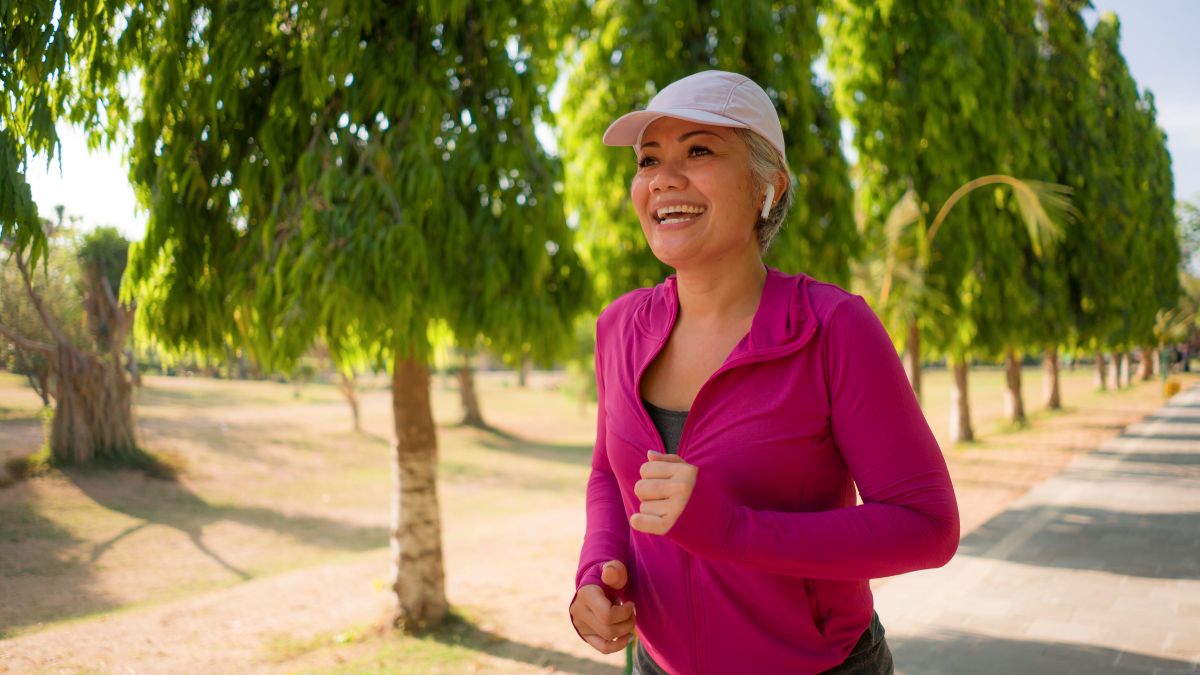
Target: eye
(644, 162)
(701, 149)
(694, 151)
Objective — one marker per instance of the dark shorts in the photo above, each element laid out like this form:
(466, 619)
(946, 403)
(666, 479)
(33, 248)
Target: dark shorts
(870, 656)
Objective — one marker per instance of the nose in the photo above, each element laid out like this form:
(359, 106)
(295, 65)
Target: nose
(668, 176)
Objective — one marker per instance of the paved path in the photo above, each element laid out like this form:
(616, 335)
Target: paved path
(1097, 570)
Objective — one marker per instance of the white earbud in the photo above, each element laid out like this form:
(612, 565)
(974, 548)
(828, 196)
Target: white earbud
(767, 202)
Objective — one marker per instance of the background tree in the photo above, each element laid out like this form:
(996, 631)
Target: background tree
(57, 285)
(359, 173)
(928, 88)
(619, 59)
(1131, 210)
(93, 414)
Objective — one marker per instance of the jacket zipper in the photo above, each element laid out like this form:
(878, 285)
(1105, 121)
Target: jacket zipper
(753, 357)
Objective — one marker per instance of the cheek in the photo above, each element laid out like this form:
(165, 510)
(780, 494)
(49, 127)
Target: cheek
(639, 193)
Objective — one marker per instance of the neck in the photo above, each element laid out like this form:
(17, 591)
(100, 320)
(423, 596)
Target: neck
(723, 292)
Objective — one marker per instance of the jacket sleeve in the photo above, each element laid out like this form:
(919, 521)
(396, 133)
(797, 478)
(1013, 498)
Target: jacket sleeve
(607, 532)
(909, 517)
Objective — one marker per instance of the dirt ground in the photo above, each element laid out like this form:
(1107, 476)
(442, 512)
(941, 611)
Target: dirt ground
(270, 555)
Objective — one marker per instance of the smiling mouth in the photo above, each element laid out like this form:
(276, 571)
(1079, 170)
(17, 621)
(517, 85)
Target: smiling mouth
(670, 215)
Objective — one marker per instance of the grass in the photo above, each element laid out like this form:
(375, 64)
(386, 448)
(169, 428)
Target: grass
(268, 482)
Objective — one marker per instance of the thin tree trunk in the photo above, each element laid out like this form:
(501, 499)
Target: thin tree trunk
(912, 358)
(346, 386)
(1014, 404)
(1146, 367)
(1117, 361)
(472, 416)
(418, 577)
(960, 409)
(1157, 362)
(523, 372)
(1050, 389)
(1101, 372)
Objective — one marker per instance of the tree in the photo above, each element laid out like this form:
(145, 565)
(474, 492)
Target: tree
(620, 58)
(929, 89)
(93, 415)
(358, 173)
(1135, 210)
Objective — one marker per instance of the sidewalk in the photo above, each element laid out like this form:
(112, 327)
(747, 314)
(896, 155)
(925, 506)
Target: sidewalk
(1097, 570)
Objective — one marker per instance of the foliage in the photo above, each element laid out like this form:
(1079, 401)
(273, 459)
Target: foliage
(623, 53)
(58, 284)
(353, 173)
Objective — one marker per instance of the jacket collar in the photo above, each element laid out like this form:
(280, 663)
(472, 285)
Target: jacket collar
(783, 322)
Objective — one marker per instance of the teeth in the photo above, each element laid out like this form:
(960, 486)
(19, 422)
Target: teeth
(678, 208)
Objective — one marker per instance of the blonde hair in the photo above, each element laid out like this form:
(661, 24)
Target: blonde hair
(765, 163)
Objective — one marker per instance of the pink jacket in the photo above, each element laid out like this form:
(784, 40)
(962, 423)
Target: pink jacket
(766, 569)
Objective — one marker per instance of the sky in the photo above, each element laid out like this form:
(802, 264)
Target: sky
(1157, 38)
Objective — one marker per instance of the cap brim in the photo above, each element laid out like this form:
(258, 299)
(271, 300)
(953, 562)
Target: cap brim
(628, 128)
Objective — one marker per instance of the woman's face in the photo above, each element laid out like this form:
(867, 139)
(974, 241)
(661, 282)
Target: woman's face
(706, 170)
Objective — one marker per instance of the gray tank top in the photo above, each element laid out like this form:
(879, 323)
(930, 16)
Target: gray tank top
(669, 424)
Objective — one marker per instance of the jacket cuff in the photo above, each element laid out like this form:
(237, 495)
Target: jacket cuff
(708, 524)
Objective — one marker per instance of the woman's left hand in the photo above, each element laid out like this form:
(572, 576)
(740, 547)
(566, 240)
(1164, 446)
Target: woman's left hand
(664, 490)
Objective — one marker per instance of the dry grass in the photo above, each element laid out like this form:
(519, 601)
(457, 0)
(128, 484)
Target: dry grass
(275, 482)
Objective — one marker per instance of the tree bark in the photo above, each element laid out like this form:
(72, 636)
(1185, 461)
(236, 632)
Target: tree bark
(346, 386)
(1146, 366)
(1014, 403)
(960, 409)
(1101, 372)
(93, 415)
(418, 577)
(472, 416)
(1117, 359)
(1050, 388)
(1157, 365)
(912, 358)
(523, 372)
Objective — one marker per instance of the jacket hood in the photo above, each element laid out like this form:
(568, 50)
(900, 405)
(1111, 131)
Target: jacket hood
(784, 320)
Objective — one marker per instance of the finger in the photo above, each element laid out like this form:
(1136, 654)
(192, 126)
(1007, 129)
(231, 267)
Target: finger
(647, 523)
(608, 647)
(658, 469)
(614, 575)
(649, 489)
(620, 613)
(657, 456)
(660, 508)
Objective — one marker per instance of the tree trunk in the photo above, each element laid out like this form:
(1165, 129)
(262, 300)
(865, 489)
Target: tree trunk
(1157, 365)
(1127, 367)
(1146, 367)
(912, 358)
(960, 409)
(523, 372)
(1014, 404)
(346, 386)
(1101, 372)
(1117, 358)
(418, 577)
(1050, 390)
(93, 415)
(472, 416)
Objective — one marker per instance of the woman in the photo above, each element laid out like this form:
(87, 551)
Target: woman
(732, 542)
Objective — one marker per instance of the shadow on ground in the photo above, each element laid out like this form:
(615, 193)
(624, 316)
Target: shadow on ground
(460, 632)
(955, 652)
(37, 553)
(1153, 545)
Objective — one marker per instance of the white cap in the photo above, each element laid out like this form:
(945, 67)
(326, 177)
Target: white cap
(710, 97)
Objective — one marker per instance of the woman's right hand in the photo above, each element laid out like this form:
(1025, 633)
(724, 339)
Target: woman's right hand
(605, 626)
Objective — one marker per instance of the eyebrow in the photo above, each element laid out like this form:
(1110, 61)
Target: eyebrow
(684, 137)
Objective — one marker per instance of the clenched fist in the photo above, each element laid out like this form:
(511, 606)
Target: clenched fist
(605, 626)
(664, 490)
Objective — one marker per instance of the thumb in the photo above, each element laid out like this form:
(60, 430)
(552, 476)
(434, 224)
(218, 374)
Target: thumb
(614, 575)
